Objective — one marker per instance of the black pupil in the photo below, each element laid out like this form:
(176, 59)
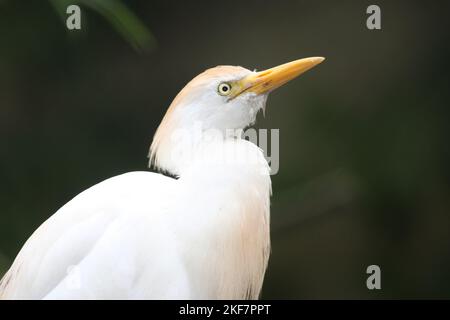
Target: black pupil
(224, 88)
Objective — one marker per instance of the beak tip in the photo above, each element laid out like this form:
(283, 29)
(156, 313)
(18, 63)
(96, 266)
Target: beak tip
(319, 59)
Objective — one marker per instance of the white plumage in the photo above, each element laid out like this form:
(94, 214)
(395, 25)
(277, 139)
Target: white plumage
(143, 235)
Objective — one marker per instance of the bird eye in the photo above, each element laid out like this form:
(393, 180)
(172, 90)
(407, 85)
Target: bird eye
(224, 89)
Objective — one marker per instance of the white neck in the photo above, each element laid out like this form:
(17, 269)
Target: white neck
(227, 185)
(212, 149)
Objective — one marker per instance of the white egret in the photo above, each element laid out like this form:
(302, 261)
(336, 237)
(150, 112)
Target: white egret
(145, 235)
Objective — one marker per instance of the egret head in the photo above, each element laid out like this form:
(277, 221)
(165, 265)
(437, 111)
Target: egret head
(221, 98)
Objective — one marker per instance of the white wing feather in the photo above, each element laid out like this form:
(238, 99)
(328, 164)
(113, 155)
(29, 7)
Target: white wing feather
(102, 227)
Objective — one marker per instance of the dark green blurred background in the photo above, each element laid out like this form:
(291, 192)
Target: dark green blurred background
(364, 153)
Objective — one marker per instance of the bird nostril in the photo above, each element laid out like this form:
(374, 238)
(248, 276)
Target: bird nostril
(267, 83)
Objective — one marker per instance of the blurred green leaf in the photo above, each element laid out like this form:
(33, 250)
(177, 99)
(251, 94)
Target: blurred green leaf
(119, 16)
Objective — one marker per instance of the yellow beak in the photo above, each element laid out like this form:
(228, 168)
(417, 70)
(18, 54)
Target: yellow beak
(268, 80)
